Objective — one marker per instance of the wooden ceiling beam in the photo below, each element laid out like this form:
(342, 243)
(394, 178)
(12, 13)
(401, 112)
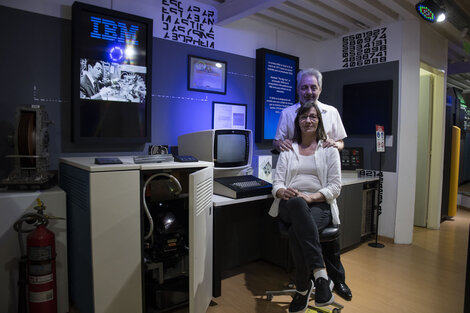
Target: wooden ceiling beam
(400, 9)
(300, 22)
(330, 13)
(356, 12)
(282, 25)
(233, 10)
(385, 15)
(316, 18)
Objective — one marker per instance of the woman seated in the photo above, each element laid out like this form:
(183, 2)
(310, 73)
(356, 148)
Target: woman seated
(306, 184)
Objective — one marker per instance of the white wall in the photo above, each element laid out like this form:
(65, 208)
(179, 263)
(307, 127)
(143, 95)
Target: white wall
(433, 48)
(407, 133)
(434, 54)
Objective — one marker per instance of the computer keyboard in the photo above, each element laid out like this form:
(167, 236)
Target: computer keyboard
(241, 186)
(155, 158)
(247, 184)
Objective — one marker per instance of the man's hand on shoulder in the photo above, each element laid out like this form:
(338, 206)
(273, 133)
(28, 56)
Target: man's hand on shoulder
(283, 145)
(331, 143)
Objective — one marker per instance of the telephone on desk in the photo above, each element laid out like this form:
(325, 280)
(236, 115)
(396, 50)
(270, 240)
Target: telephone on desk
(241, 186)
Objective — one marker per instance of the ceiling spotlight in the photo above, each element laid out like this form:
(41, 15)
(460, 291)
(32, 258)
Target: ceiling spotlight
(441, 17)
(430, 11)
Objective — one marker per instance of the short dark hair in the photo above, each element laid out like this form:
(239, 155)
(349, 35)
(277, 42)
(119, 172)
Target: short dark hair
(321, 135)
(91, 62)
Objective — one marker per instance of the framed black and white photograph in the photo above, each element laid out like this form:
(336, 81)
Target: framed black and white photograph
(228, 115)
(207, 75)
(111, 75)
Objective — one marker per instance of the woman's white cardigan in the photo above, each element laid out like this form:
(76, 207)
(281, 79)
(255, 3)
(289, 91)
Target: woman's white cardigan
(328, 165)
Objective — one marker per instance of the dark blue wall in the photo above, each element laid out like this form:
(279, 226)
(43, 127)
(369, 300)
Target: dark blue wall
(332, 93)
(35, 62)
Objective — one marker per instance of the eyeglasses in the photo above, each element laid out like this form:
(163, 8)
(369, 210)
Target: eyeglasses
(312, 117)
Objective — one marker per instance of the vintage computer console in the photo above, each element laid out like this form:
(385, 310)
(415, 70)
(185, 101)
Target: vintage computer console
(231, 150)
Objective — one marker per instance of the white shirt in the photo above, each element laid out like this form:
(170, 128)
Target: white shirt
(306, 180)
(332, 123)
(328, 166)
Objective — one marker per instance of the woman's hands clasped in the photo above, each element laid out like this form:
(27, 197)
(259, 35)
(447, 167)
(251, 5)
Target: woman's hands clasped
(287, 193)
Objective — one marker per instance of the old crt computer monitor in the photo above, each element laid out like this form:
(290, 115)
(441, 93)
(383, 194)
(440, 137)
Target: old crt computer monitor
(231, 150)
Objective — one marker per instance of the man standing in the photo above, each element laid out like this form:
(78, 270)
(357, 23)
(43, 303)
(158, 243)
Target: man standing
(309, 84)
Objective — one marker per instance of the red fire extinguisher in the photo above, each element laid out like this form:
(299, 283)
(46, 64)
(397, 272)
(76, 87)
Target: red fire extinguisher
(40, 262)
(41, 271)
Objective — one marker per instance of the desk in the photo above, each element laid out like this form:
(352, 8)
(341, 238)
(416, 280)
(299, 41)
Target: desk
(238, 233)
(244, 232)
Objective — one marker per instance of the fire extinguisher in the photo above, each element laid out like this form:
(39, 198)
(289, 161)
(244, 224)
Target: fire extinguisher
(38, 264)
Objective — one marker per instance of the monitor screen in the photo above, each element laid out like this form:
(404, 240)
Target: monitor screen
(366, 105)
(111, 75)
(231, 148)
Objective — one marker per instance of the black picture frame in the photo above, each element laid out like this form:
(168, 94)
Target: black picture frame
(207, 75)
(229, 115)
(124, 115)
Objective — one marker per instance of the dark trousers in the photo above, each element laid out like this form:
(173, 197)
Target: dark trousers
(305, 222)
(331, 256)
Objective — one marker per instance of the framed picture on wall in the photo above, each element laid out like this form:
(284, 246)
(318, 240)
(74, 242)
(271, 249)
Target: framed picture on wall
(207, 75)
(228, 115)
(111, 76)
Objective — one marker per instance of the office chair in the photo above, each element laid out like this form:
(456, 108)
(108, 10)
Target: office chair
(330, 233)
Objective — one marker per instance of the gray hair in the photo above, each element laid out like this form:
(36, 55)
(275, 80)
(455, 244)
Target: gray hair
(310, 72)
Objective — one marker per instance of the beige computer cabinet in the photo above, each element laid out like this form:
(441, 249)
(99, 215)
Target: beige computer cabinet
(105, 236)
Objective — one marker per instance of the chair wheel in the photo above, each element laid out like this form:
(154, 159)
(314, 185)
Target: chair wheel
(269, 297)
(336, 310)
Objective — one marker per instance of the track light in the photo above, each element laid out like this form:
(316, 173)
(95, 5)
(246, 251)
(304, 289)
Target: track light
(430, 11)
